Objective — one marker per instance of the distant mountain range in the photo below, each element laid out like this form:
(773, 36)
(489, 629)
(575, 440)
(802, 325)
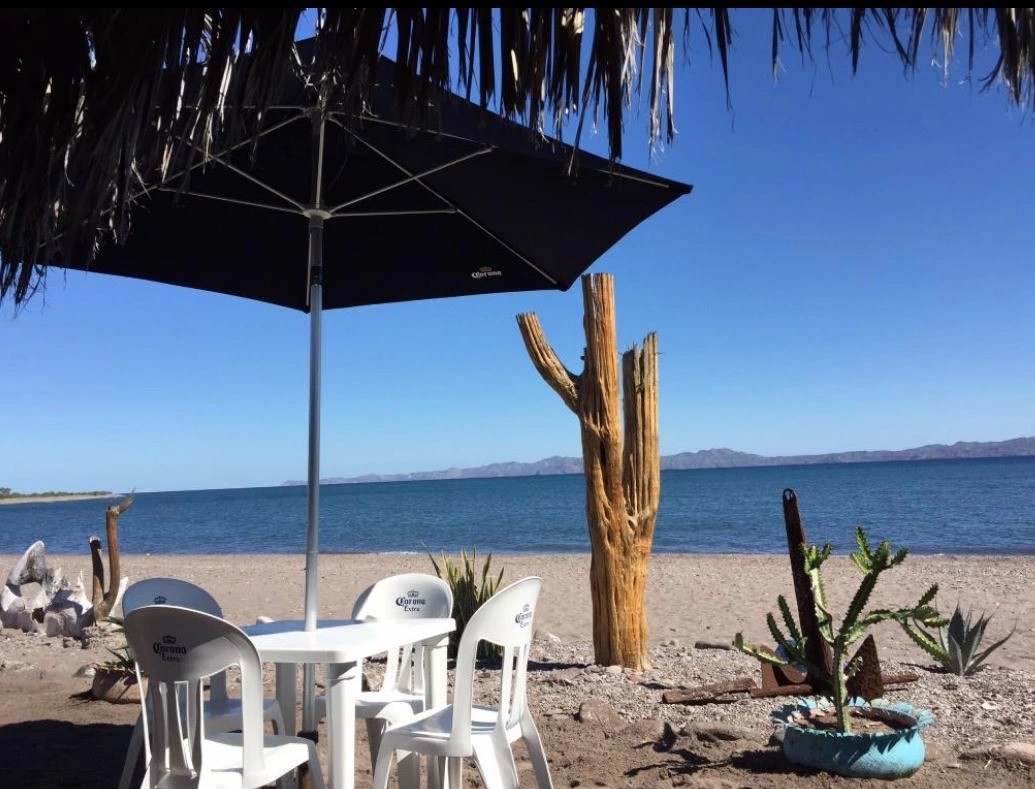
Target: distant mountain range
(716, 458)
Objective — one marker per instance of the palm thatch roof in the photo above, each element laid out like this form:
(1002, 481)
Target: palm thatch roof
(89, 97)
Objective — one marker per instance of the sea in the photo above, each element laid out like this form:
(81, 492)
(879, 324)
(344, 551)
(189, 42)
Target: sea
(982, 506)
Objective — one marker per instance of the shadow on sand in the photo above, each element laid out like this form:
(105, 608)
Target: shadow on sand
(47, 754)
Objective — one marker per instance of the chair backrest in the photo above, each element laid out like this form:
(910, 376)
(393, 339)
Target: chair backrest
(173, 591)
(406, 596)
(505, 619)
(169, 591)
(177, 648)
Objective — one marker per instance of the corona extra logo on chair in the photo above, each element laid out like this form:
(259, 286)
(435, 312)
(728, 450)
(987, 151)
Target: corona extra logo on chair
(524, 616)
(411, 602)
(168, 650)
(160, 600)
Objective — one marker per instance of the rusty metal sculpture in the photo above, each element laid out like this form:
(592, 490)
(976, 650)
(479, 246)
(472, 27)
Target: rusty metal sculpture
(786, 680)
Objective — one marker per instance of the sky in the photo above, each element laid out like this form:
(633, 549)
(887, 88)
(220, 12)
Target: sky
(851, 272)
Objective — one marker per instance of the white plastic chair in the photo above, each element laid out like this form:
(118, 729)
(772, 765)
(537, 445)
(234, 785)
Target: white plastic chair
(463, 729)
(222, 713)
(178, 648)
(402, 693)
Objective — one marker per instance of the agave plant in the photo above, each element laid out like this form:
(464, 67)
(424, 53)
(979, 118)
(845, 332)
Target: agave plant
(121, 660)
(959, 643)
(854, 624)
(469, 592)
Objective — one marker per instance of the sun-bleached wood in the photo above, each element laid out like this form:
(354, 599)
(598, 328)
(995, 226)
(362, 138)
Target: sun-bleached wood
(105, 600)
(621, 463)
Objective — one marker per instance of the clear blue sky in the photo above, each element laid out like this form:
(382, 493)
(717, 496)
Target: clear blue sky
(852, 271)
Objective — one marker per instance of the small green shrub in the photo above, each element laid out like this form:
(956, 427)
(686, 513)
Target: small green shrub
(960, 642)
(469, 592)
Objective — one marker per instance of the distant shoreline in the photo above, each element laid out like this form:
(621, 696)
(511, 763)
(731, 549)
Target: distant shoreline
(712, 459)
(52, 499)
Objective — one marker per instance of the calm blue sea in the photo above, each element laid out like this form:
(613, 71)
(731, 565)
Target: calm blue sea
(952, 506)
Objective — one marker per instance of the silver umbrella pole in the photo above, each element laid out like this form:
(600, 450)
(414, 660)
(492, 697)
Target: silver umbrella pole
(316, 215)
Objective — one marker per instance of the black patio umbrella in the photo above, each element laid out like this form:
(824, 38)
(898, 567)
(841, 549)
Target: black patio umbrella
(389, 213)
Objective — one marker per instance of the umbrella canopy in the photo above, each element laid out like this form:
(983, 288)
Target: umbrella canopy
(388, 213)
(470, 206)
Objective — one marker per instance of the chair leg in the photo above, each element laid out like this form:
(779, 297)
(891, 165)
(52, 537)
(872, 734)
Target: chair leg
(136, 744)
(384, 764)
(495, 762)
(409, 770)
(315, 772)
(536, 754)
(391, 715)
(375, 727)
(277, 720)
(454, 770)
(436, 772)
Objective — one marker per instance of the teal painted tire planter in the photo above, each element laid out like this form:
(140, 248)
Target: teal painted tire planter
(893, 754)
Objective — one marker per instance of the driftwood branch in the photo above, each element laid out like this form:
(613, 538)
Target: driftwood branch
(705, 694)
(104, 600)
(561, 380)
(97, 591)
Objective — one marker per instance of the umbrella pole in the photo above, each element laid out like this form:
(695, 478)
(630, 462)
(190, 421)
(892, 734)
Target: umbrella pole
(316, 214)
(313, 509)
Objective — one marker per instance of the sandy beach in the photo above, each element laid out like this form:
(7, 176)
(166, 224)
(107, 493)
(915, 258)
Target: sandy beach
(690, 598)
(53, 499)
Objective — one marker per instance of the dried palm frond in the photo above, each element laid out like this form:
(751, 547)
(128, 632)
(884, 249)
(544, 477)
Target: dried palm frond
(91, 97)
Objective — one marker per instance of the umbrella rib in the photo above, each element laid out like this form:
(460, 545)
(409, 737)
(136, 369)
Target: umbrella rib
(258, 182)
(368, 118)
(462, 213)
(235, 201)
(639, 178)
(409, 179)
(206, 158)
(414, 212)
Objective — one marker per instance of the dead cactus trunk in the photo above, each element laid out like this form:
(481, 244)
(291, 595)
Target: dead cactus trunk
(622, 466)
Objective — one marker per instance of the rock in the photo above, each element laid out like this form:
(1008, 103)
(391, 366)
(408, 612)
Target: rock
(85, 671)
(564, 676)
(642, 732)
(673, 642)
(19, 667)
(542, 635)
(939, 752)
(1023, 752)
(716, 732)
(613, 670)
(708, 644)
(262, 620)
(600, 714)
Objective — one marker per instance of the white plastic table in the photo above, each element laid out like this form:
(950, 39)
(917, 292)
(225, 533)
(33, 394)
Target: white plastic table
(341, 645)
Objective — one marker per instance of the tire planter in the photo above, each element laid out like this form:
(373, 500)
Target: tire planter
(894, 754)
(115, 686)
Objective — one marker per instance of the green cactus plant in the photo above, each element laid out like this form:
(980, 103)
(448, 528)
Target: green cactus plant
(853, 626)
